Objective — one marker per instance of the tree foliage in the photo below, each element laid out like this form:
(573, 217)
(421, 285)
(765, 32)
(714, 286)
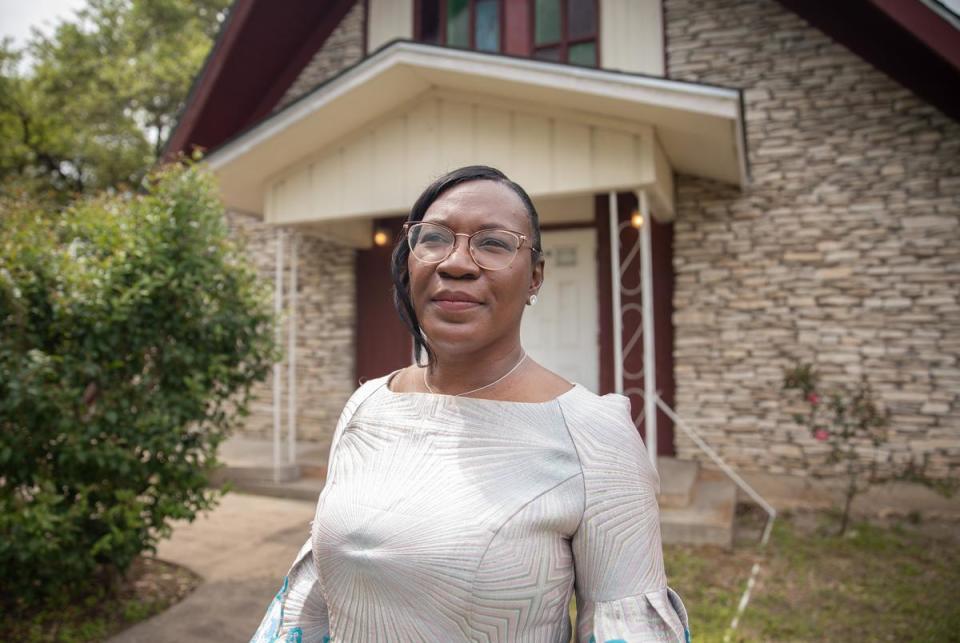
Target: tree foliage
(102, 93)
(131, 331)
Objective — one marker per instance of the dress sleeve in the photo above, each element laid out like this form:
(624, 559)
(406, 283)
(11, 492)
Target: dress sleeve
(298, 613)
(621, 587)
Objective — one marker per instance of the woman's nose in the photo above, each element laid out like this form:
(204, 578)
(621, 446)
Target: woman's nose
(459, 262)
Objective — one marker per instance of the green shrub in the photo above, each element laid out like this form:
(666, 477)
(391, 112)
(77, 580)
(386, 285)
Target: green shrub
(131, 331)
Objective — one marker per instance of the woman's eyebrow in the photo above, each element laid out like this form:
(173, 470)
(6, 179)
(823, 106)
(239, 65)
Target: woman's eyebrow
(484, 226)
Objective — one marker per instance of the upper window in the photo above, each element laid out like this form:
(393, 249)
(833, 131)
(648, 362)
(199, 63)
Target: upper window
(473, 24)
(559, 30)
(566, 31)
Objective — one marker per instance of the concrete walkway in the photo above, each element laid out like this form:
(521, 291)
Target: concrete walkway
(242, 549)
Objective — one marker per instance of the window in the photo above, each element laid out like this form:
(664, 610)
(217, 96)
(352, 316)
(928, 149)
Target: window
(565, 31)
(471, 24)
(559, 30)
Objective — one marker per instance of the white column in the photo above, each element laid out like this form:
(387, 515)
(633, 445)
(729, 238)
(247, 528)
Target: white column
(292, 352)
(615, 295)
(277, 366)
(649, 352)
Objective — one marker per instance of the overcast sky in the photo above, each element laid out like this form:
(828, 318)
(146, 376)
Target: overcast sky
(18, 16)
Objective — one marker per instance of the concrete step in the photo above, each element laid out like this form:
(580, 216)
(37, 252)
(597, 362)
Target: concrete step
(313, 462)
(303, 489)
(251, 459)
(707, 520)
(317, 471)
(677, 478)
(254, 473)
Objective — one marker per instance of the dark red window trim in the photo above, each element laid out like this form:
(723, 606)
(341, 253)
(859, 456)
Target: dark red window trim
(472, 29)
(508, 7)
(564, 42)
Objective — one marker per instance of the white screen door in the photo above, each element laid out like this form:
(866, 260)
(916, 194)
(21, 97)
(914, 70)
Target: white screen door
(560, 332)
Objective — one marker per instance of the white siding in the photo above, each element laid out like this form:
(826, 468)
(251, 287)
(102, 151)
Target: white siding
(388, 20)
(631, 36)
(381, 168)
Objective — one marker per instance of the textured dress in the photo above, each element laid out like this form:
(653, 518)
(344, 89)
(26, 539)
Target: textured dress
(462, 519)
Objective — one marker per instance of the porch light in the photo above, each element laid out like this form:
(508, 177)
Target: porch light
(636, 219)
(380, 237)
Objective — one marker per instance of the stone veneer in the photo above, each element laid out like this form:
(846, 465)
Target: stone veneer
(344, 47)
(326, 309)
(326, 323)
(844, 249)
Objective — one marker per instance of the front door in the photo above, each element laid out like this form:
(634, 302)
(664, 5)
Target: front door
(560, 331)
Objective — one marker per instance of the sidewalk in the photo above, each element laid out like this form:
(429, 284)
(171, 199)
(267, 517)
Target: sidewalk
(242, 549)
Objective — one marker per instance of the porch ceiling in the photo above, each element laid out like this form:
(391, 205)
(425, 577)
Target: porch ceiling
(333, 131)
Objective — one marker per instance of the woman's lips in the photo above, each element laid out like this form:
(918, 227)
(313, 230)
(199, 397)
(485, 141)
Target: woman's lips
(455, 305)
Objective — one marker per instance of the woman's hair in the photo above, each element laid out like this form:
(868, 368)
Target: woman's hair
(398, 265)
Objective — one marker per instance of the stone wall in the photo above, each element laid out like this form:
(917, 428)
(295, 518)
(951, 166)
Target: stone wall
(844, 250)
(257, 240)
(343, 48)
(326, 307)
(326, 335)
(326, 315)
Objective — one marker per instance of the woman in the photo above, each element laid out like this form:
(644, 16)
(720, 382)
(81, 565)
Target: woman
(468, 497)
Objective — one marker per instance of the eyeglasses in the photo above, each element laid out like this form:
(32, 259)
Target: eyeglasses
(491, 249)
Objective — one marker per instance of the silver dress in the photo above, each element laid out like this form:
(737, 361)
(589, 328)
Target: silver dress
(462, 519)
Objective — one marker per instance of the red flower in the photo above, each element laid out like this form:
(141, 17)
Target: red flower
(813, 398)
(821, 434)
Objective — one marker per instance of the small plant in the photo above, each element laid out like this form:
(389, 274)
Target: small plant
(847, 422)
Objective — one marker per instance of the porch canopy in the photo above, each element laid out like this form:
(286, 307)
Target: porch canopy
(366, 142)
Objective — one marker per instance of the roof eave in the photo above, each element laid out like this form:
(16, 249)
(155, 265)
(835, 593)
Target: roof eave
(399, 71)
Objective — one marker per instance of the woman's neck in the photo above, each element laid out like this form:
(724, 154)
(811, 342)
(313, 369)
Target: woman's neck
(454, 373)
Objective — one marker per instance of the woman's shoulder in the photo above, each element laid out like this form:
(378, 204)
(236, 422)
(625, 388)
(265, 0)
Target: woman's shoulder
(399, 380)
(365, 389)
(605, 436)
(581, 405)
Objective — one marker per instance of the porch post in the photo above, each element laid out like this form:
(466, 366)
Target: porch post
(277, 366)
(649, 352)
(615, 295)
(292, 353)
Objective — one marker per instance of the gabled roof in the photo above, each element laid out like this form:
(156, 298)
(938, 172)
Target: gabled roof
(916, 42)
(260, 51)
(263, 46)
(700, 127)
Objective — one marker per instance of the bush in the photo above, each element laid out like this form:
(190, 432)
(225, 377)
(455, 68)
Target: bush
(850, 422)
(131, 331)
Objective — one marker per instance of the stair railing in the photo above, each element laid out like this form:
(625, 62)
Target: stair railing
(694, 435)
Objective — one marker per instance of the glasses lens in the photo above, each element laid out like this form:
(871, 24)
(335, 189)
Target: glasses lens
(494, 249)
(429, 242)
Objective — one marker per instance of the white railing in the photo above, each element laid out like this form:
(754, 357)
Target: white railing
(652, 400)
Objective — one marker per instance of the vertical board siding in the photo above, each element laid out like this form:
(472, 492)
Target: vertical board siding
(384, 166)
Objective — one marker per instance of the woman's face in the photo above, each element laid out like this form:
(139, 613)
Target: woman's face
(462, 307)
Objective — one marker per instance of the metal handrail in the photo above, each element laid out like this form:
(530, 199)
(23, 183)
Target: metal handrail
(694, 435)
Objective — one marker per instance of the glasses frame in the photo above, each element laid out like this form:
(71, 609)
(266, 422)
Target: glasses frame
(521, 239)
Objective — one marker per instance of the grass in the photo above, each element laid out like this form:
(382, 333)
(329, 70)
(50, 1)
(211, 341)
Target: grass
(150, 587)
(892, 582)
(896, 582)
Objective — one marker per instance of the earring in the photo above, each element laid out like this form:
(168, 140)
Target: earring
(532, 300)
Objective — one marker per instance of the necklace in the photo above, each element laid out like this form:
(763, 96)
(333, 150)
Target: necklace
(499, 379)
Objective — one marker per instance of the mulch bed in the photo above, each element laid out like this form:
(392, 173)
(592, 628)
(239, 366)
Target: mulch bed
(150, 587)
